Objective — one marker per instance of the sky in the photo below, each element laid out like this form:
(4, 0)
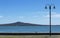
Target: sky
(29, 11)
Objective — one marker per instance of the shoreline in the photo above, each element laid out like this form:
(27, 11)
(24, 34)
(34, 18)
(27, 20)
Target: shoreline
(29, 33)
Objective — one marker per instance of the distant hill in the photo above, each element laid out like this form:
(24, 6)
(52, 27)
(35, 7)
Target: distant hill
(20, 24)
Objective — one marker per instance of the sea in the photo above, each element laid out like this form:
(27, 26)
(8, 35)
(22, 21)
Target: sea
(30, 29)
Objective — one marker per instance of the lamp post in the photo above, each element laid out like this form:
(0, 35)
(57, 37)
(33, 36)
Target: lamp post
(50, 7)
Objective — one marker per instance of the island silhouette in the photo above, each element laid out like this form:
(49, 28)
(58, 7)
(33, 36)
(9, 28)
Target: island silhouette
(20, 24)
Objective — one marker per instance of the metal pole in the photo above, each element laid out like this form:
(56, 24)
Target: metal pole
(50, 18)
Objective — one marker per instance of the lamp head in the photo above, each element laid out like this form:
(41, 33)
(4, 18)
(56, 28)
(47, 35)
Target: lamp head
(45, 7)
(54, 7)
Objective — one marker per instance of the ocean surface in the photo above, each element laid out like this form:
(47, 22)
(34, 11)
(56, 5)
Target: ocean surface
(29, 29)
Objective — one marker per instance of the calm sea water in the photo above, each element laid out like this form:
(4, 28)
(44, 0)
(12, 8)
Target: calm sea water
(23, 29)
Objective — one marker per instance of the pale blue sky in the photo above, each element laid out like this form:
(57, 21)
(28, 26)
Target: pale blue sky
(29, 11)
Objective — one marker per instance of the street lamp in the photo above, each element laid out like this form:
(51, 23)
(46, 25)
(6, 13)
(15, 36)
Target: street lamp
(50, 7)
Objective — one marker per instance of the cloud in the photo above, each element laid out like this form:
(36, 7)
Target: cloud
(21, 17)
(1, 16)
(54, 15)
(35, 16)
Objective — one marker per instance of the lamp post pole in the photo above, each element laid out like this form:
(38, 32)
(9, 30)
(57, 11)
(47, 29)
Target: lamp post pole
(50, 9)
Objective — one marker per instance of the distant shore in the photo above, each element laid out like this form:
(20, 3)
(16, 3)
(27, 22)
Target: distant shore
(22, 24)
